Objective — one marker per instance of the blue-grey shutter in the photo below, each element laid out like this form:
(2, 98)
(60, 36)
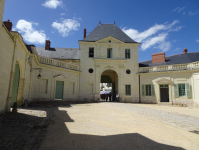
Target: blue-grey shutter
(110, 53)
(176, 90)
(188, 90)
(143, 90)
(152, 90)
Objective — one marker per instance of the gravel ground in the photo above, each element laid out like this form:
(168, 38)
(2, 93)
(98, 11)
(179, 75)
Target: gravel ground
(120, 126)
(106, 125)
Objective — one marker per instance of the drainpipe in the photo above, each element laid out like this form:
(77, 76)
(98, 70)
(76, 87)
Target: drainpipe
(139, 91)
(7, 107)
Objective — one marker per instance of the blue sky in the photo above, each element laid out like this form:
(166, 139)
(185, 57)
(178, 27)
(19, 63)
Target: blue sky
(159, 25)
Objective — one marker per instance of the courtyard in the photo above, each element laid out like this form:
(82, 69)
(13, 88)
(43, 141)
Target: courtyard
(103, 125)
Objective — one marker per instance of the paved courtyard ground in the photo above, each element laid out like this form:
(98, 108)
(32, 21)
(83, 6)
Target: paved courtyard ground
(105, 125)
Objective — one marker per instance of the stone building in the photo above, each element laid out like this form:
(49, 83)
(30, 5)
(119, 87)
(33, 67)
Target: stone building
(106, 55)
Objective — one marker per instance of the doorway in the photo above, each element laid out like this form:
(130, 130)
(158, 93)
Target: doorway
(59, 90)
(164, 93)
(108, 85)
(15, 84)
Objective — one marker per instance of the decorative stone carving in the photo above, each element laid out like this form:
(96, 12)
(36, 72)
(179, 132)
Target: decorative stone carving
(60, 77)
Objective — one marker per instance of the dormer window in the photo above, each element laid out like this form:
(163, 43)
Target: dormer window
(91, 52)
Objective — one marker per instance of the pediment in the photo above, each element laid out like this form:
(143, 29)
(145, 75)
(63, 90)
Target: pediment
(110, 40)
(60, 77)
(164, 81)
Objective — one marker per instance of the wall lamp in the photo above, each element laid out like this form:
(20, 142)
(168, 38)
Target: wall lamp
(40, 69)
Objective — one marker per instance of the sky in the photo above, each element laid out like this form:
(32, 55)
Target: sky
(159, 25)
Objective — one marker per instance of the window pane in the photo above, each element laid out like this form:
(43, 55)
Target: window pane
(127, 53)
(91, 52)
(109, 53)
(148, 90)
(128, 89)
(181, 88)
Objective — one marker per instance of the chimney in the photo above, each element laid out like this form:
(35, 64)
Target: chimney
(84, 33)
(47, 46)
(185, 50)
(8, 25)
(160, 57)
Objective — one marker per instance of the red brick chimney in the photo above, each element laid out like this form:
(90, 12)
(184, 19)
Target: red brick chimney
(159, 57)
(185, 50)
(47, 46)
(8, 25)
(84, 33)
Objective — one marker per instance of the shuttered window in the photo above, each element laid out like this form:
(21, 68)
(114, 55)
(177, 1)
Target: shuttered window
(188, 90)
(143, 90)
(127, 53)
(152, 90)
(176, 90)
(128, 89)
(148, 90)
(181, 89)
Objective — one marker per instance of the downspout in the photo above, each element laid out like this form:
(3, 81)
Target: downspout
(7, 107)
(139, 91)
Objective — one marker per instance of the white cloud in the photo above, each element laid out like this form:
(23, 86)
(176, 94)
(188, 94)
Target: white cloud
(164, 46)
(197, 40)
(66, 26)
(176, 9)
(181, 9)
(53, 4)
(152, 36)
(139, 37)
(152, 41)
(191, 14)
(177, 28)
(177, 49)
(29, 33)
(62, 14)
(183, 13)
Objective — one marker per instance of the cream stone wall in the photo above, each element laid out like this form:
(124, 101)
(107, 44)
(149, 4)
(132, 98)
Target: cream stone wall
(101, 63)
(6, 49)
(12, 51)
(49, 75)
(195, 83)
(2, 4)
(170, 78)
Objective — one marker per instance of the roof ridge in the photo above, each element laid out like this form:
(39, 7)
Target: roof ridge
(181, 54)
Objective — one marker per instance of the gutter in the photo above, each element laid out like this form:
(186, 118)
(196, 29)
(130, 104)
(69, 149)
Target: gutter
(139, 91)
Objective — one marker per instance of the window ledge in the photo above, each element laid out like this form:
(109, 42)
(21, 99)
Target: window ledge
(110, 59)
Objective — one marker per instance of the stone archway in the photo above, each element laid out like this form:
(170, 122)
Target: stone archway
(111, 76)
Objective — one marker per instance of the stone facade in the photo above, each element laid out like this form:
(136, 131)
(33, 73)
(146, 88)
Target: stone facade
(100, 63)
(81, 85)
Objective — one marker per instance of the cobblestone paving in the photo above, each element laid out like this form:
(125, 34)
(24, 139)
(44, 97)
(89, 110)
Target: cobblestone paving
(185, 122)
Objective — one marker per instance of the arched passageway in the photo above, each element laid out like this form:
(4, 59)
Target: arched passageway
(108, 85)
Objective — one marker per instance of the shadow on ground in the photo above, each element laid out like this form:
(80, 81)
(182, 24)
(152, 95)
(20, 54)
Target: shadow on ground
(22, 131)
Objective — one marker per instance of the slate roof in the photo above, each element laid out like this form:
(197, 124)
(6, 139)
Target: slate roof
(105, 30)
(59, 53)
(174, 59)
